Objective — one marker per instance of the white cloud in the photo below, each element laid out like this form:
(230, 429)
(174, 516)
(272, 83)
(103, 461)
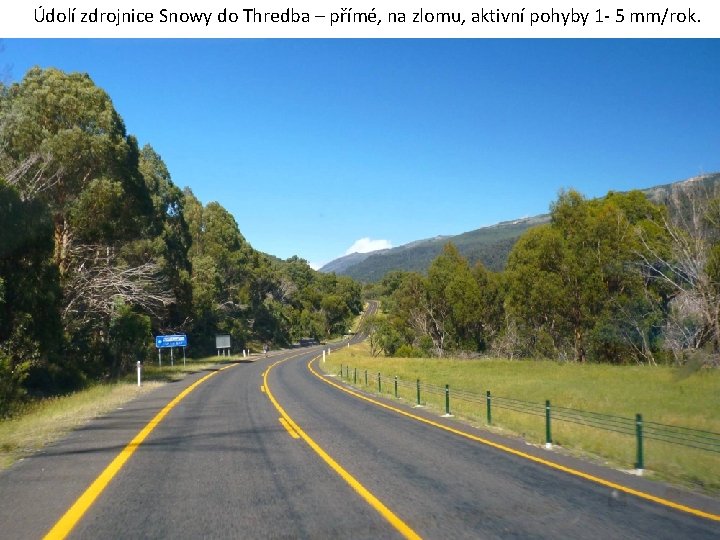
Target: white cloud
(316, 266)
(366, 245)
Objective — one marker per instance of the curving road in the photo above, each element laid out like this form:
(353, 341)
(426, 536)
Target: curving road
(220, 464)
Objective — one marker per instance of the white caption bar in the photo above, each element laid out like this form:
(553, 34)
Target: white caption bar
(337, 19)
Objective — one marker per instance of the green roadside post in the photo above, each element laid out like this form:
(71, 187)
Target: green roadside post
(447, 400)
(341, 371)
(379, 384)
(396, 394)
(640, 464)
(418, 392)
(355, 376)
(548, 434)
(488, 400)
(366, 383)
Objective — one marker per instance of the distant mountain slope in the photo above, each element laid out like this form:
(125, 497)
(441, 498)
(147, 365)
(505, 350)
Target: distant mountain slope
(489, 245)
(339, 266)
(707, 185)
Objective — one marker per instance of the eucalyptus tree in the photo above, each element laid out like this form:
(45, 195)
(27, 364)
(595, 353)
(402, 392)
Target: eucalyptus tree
(169, 237)
(687, 265)
(577, 287)
(30, 329)
(63, 133)
(63, 145)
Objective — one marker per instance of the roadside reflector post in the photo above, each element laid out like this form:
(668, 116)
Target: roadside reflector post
(323, 356)
(379, 384)
(418, 393)
(548, 433)
(341, 371)
(488, 400)
(447, 401)
(396, 394)
(354, 375)
(139, 370)
(366, 380)
(640, 465)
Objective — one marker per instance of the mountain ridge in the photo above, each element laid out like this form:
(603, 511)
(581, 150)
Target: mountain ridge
(490, 245)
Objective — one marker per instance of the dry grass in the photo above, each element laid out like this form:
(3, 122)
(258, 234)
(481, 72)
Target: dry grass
(41, 422)
(48, 420)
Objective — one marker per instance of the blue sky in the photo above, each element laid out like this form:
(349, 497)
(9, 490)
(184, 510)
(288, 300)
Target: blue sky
(315, 144)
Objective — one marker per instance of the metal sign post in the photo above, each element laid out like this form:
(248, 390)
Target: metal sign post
(169, 342)
(222, 344)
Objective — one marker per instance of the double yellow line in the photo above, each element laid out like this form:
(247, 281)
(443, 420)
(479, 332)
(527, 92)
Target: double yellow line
(361, 490)
(530, 457)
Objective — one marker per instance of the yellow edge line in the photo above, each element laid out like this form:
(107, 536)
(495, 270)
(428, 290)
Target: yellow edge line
(71, 518)
(373, 501)
(551, 464)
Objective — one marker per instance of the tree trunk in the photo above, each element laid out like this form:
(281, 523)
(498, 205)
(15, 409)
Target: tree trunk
(62, 242)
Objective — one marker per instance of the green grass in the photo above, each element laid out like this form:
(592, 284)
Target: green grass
(662, 394)
(41, 422)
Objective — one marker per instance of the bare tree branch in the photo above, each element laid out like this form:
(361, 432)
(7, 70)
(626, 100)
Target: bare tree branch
(97, 282)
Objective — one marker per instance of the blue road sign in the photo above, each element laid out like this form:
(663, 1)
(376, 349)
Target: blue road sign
(164, 342)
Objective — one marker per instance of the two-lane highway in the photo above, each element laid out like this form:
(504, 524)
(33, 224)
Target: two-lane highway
(220, 464)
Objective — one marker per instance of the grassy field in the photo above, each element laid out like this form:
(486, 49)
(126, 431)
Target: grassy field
(41, 422)
(662, 394)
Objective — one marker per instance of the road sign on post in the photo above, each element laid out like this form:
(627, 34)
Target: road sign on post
(222, 344)
(164, 342)
(169, 342)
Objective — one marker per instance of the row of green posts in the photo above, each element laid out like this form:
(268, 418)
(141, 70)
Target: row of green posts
(692, 438)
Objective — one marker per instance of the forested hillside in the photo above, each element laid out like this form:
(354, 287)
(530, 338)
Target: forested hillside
(490, 246)
(618, 279)
(100, 250)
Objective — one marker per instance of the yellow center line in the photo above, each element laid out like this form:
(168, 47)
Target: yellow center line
(71, 518)
(548, 463)
(361, 490)
(289, 428)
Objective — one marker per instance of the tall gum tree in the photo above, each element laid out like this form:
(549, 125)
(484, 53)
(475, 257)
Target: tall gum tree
(63, 133)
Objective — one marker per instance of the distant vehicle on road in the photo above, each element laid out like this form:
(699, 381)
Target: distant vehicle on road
(307, 342)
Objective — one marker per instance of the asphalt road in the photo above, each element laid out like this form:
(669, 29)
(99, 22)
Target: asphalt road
(221, 465)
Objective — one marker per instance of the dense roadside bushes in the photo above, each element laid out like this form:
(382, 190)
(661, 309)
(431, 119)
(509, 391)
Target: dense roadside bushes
(617, 279)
